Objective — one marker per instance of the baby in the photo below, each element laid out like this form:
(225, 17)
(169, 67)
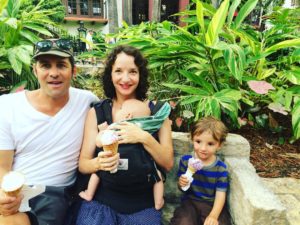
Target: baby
(131, 108)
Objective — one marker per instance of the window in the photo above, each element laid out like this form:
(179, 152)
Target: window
(96, 8)
(84, 8)
(139, 11)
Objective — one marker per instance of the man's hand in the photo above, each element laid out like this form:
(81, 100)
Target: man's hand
(9, 205)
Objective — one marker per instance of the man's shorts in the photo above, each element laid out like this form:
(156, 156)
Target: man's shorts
(49, 208)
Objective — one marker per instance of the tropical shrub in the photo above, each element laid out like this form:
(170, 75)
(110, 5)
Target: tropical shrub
(19, 30)
(207, 64)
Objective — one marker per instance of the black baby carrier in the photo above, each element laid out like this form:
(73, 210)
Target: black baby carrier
(130, 189)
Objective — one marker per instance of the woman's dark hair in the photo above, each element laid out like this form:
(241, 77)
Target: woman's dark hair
(140, 62)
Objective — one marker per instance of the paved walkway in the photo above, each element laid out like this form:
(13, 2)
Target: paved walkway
(288, 191)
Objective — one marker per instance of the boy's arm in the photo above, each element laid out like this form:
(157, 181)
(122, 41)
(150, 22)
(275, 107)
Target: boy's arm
(212, 218)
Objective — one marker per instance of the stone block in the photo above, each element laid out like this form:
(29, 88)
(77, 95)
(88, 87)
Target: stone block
(250, 202)
(236, 146)
(283, 185)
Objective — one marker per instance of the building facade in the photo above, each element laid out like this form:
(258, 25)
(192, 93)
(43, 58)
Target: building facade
(98, 14)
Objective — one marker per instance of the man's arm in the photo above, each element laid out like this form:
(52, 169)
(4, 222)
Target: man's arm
(6, 160)
(8, 205)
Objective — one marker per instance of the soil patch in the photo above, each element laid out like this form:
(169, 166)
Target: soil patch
(269, 158)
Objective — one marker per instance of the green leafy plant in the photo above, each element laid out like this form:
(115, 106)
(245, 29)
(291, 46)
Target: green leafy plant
(207, 64)
(19, 30)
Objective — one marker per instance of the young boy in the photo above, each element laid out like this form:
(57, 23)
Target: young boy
(131, 108)
(203, 203)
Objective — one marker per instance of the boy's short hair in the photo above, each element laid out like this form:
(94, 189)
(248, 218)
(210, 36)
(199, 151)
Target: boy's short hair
(217, 128)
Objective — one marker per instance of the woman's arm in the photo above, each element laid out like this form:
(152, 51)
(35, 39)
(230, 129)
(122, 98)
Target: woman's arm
(87, 162)
(219, 202)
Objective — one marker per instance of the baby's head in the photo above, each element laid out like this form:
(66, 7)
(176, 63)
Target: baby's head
(212, 125)
(132, 108)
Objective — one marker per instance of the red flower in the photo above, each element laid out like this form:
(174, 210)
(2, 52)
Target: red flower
(178, 121)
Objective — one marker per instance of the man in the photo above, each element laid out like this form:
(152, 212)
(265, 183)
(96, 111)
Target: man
(41, 133)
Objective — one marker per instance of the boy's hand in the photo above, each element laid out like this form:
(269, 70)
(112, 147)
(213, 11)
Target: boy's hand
(183, 181)
(211, 221)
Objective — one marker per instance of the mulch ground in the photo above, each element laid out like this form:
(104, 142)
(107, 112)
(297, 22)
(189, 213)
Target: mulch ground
(269, 158)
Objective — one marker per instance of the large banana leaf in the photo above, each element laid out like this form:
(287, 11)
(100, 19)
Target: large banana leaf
(209, 103)
(244, 12)
(200, 17)
(232, 10)
(3, 4)
(216, 24)
(198, 80)
(284, 44)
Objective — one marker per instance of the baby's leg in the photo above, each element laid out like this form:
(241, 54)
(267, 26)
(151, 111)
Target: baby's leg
(158, 192)
(89, 193)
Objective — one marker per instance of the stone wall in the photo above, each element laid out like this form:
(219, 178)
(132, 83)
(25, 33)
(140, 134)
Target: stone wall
(249, 201)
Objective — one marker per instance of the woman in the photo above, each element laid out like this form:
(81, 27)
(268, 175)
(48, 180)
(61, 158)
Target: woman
(125, 77)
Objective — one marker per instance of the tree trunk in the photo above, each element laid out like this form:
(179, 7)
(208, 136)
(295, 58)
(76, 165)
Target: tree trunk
(127, 16)
(156, 10)
(112, 16)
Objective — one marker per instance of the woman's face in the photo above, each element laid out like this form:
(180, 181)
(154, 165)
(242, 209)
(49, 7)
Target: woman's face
(125, 76)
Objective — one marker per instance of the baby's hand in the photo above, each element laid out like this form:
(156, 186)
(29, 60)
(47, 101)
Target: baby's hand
(183, 181)
(128, 116)
(102, 126)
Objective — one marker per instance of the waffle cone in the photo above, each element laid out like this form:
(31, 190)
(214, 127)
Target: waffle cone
(191, 169)
(14, 193)
(112, 147)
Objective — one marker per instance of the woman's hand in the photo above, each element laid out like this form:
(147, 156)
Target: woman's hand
(106, 161)
(9, 205)
(183, 181)
(129, 133)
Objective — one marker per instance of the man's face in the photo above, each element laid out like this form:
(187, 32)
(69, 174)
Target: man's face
(54, 75)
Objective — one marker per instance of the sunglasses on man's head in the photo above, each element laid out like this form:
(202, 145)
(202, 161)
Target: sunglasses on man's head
(46, 45)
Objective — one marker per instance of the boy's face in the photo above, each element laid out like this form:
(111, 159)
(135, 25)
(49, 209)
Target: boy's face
(205, 146)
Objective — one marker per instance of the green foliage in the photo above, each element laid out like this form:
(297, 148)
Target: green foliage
(54, 5)
(20, 27)
(206, 65)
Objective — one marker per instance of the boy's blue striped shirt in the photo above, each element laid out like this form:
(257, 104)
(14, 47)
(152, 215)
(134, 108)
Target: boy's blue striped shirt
(206, 181)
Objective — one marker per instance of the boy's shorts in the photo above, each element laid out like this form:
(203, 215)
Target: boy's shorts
(49, 208)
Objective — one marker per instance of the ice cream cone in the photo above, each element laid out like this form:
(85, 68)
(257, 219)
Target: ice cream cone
(112, 147)
(193, 166)
(191, 169)
(12, 183)
(109, 140)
